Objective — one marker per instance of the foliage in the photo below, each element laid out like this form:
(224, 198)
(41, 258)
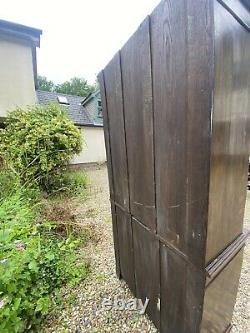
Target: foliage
(45, 84)
(69, 183)
(38, 142)
(32, 257)
(75, 86)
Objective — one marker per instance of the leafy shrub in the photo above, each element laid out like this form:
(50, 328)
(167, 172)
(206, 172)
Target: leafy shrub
(69, 183)
(7, 181)
(10, 184)
(39, 141)
(32, 258)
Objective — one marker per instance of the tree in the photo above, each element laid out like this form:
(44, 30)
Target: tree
(38, 142)
(75, 86)
(44, 84)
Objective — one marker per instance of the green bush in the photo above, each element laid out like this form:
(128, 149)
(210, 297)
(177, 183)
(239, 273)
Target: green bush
(35, 261)
(10, 184)
(69, 183)
(38, 142)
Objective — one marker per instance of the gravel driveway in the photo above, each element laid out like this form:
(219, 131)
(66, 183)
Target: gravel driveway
(87, 315)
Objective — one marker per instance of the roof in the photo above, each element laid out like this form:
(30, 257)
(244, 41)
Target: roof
(77, 113)
(21, 31)
(96, 98)
(90, 96)
(239, 9)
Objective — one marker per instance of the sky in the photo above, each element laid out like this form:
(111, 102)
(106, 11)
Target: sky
(79, 36)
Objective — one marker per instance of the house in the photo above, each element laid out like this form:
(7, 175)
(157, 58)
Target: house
(18, 70)
(91, 127)
(18, 84)
(93, 105)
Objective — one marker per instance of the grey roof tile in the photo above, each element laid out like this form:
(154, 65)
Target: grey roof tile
(75, 109)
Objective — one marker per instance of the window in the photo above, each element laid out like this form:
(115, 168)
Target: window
(62, 100)
(99, 108)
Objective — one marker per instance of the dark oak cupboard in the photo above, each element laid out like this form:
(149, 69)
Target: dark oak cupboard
(176, 107)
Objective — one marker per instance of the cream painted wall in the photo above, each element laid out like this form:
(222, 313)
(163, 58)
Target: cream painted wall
(17, 86)
(94, 150)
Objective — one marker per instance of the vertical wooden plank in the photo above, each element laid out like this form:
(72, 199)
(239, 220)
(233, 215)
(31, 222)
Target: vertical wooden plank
(137, 92)
(147, 269)
(230, 143)
(168, 29)
(125, 238)
(106, 132)
(182, 55)
(116, 240)
(114, 97)
(110, 170)
(182, 293)
(200, 62)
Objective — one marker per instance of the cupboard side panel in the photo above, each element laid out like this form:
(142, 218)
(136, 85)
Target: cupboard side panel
(230, 143)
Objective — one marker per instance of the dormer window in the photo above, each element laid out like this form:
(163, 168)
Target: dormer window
(99, 108)
(62, 100)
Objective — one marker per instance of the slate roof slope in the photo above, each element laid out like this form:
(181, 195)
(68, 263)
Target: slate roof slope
(75, 109)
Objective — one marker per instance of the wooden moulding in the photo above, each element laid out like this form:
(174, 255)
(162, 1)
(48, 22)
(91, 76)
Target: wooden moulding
(220, 296)
(229, 328)
(217, 265)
